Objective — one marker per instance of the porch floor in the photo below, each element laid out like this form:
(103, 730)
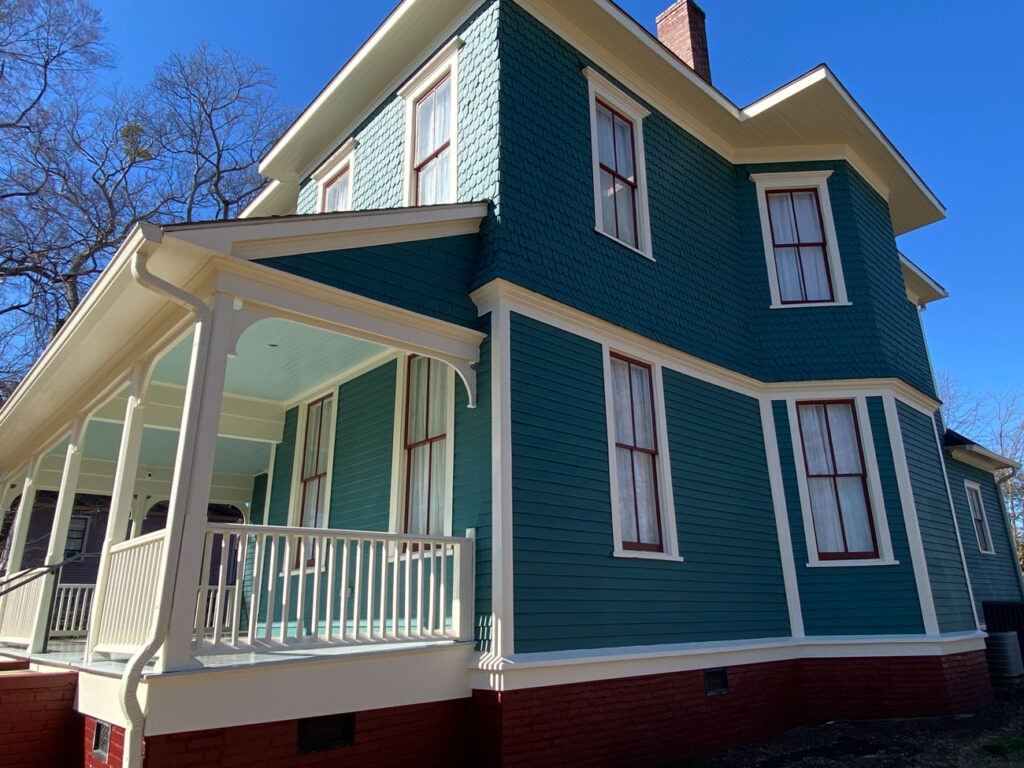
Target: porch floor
(69, 653)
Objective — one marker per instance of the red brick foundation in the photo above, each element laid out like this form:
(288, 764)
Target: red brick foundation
(40, 726)
(661, 719)
(115, 752)
(425, 735)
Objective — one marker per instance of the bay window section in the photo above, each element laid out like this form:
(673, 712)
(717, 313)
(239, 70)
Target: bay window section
(798, 243)
(837, 481)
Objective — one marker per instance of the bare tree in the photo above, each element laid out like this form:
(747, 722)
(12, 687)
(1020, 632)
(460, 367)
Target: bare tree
(80, 165)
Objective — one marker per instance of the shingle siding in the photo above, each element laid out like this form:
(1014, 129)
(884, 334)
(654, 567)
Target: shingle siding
(938, 532)
(852, 600)
(993, 576)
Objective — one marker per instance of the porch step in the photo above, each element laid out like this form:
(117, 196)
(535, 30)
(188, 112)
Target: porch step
(41, 727)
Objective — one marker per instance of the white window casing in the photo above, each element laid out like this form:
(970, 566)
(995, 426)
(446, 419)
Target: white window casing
(602, 91)
(979, 518)
(807, 180)
(342, 161)
(443, 66)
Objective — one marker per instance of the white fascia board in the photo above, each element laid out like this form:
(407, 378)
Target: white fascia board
(922, 289)
(275, 198)
(291, 235)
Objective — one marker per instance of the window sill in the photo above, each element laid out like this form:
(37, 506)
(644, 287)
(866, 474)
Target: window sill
(851, 563)
(624, 244)
(986, 551)
(812, 305)
(640, 555)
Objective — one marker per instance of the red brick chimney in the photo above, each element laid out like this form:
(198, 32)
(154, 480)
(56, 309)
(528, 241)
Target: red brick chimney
(681, 30)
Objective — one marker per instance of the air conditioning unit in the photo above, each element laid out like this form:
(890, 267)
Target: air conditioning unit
(1003, 652)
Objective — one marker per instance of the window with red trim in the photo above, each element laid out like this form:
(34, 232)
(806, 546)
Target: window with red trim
(837, 483)
(425, 446)
(636, 455)
(616, 154)
(800, 249)
(315, 454)
(432, 144)
(337, 194)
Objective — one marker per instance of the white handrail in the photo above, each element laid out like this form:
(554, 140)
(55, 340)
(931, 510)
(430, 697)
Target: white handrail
(123, 620)
(266, 587)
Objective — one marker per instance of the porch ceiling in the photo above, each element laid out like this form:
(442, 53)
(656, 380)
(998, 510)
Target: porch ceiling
(278, 360)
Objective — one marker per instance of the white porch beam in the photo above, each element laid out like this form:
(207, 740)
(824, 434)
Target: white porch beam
(241, 417)
(193, 477)
(122, 487)
(59, 531)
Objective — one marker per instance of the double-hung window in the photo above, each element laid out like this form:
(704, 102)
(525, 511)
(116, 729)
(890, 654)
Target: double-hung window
(620, 186)
(799, 239)
(426, 448)
(431, 158)
(78, 531)
(315, 462)
(978, 517)
(837, 481)
(641, 496)
(334, 179)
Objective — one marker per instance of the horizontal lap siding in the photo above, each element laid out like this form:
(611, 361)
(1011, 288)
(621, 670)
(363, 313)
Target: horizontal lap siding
(852, 600)
(725, 517)
(938, 534)
(281, 481)
(993, 576)
(570, 592)
(363, 444)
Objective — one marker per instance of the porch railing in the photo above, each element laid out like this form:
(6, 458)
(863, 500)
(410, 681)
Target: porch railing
(20, 604)
(71, 608)
(265, 587)
(125, 616)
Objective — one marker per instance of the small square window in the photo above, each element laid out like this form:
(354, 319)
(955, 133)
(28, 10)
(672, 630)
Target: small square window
(716, 681)
(101, 741)
(320, 734)
(801, 250)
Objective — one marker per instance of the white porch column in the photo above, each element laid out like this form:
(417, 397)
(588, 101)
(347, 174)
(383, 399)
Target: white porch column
(193, 478)
(124, 484)
(138, 514)
(59, 531)
(23, 516)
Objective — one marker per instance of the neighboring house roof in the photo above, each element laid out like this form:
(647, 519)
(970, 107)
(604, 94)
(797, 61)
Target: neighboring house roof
(812, 118)
(965, 450)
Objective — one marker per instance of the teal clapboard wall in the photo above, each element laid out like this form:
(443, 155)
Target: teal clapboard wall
(570, 592)
(281, 480)
(363, 443)
(854, 600)
(993, 576)
(938, 532)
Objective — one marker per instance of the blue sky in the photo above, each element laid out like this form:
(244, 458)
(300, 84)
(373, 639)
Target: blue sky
(943, 80)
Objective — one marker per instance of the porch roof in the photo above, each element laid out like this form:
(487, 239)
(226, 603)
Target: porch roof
(121, 321)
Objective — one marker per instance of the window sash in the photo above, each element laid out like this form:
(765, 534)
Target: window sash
(78, 529)
(837, 483)
(978, 517)
(799, 245)
(425, 445)
(618, 176)
(337, 195)
(636, 455)
(316, 451)
(432, 144)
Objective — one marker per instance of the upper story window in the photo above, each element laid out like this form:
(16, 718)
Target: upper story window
(641, 494)
(799, 238)
(426, 457)
(837, 481)
(431, 98)
(978, 517)
(334, 179)
(620, 184)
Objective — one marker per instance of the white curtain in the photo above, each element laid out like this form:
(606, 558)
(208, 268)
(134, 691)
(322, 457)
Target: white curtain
(426, 454)
(635, 469)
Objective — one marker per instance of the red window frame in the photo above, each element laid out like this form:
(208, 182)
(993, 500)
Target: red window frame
(320, 478)
(638, 545)
(633, 184)
(800, 244)
(846, 554)
(438, 150)
(980, 521)
(428, 440)
(327, 186)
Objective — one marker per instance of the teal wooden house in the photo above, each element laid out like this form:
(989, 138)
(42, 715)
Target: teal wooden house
(568, 413)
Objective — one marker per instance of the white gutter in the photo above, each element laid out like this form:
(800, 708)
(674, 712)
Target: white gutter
(130, 704)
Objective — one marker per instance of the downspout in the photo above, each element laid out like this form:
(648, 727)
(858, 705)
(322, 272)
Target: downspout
(130, 704)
